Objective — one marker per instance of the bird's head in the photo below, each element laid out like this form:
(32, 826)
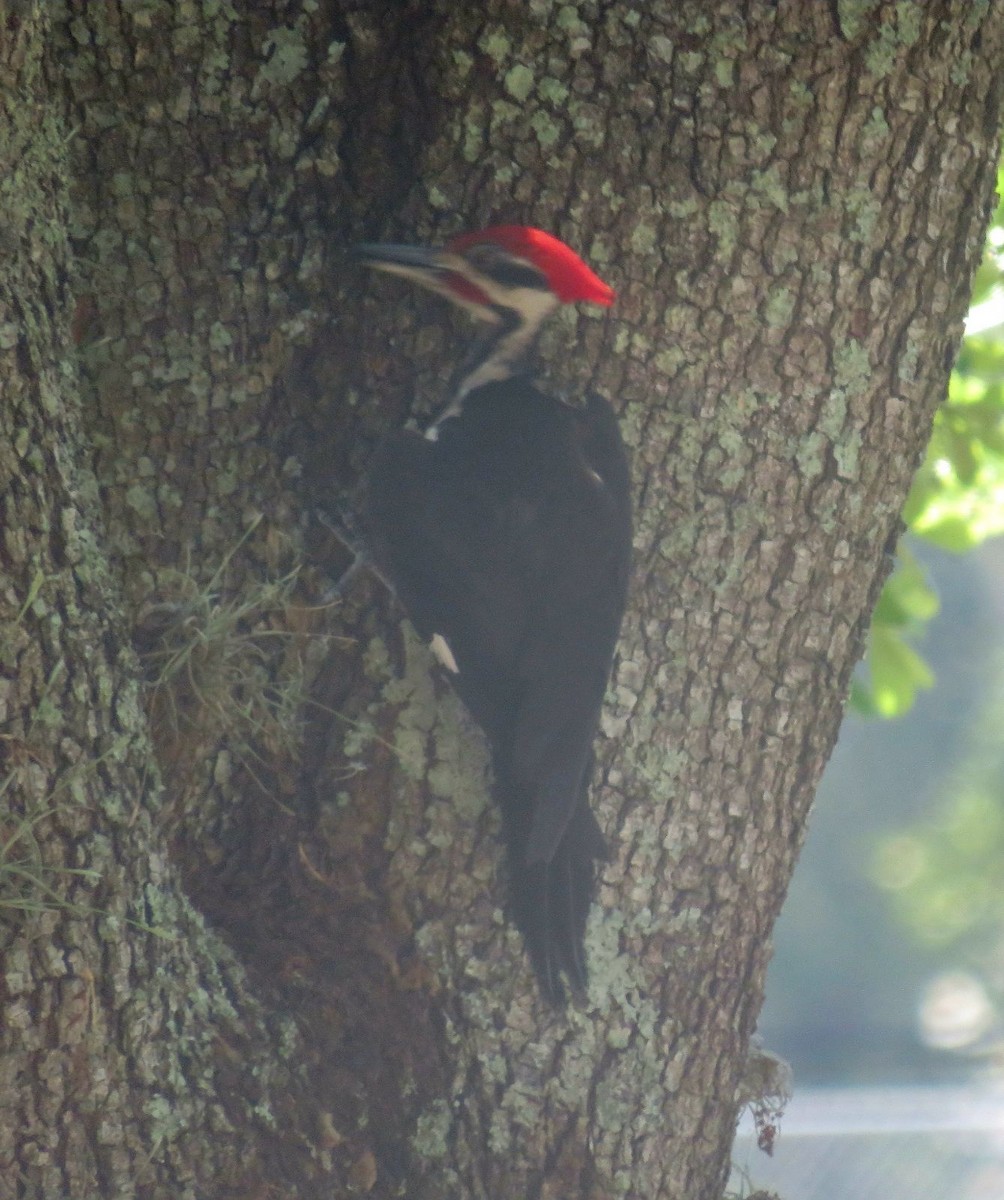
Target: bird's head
(508, 274)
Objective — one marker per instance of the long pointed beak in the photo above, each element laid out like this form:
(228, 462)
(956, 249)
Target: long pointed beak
(417, 263)
(441, 271)
(376, 254)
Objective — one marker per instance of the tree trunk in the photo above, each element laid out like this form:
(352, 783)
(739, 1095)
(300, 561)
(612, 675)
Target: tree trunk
(790, 200)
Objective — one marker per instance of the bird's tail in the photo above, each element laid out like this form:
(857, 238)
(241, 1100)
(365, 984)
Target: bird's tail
(551, 901)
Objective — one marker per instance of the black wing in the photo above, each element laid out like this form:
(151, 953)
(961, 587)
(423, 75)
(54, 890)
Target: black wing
(509, 536)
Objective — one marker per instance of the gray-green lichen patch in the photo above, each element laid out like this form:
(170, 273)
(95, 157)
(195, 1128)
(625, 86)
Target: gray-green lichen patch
(432, 1129)
(910, 15)
(376, 660)
(846, 453)
(503, 113)
(553, 91)
(852, 15)
(851, 366)
(141, 501)
(473, 134)
(546, 130)
(726, 49)
(497, 45)
(876, 129)
(833, 415)
(779, 307)
(960, 70)
(614, 983)
(683, 208)
(906, 366)
(589, 122)
(669, 360)
(415, 693)
(770, 185)
(285, 57)
(865, 210)
(165, 1119)
(893, 36)
(220, 337)
(519, 82)
(644, 238)
(460, 766)
(438, 199)
(570, 22)
(724, 224)
(810, 454)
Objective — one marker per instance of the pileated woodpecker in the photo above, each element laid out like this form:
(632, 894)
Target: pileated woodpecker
(506, 532)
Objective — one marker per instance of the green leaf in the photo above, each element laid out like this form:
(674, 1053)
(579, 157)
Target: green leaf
(898, 673)
(951, 532)
(907, 597)
(861, 700)
(957, 497)
(896, 670)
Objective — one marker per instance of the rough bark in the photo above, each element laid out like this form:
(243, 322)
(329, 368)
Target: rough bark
(790, 200)
(134, 1061)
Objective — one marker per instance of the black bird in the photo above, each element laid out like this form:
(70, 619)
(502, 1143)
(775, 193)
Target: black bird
(506, 532)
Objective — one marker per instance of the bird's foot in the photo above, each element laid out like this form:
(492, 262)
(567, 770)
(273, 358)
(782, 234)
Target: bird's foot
(343, 526)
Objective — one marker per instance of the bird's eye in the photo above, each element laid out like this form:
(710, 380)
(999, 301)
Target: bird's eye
(504, 269)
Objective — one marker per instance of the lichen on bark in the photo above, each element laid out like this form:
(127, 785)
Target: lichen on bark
(790, 204)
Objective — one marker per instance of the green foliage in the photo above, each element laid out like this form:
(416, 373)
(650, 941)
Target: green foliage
(957, 498)
(946, 877)
(896, 672)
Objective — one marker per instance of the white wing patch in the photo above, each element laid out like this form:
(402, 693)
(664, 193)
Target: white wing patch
(443, 654)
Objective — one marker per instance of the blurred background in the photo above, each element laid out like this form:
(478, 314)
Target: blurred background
(886, 991)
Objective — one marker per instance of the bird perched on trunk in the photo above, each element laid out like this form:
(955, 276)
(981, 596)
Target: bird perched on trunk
(506, 532)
